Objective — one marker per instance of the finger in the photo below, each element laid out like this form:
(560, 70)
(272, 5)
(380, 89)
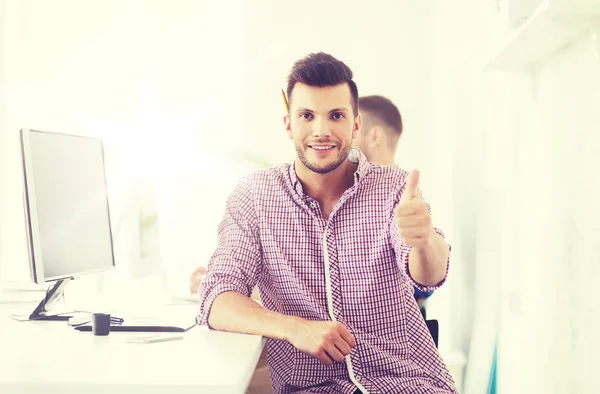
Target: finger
(418, 243)
(196, 280)
(195, 283)
(417, 232)
(199, 271)
(343, 347)
(194, 287)
(346, 336)
(411, 207)
(334, 353)
(324, 357)
(411, 186)
(419, 240)
(407, 222)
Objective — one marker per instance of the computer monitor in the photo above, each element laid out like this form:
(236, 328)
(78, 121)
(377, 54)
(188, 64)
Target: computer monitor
(67, 214)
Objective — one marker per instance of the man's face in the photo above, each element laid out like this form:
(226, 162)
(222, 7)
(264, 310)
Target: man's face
(322, 125)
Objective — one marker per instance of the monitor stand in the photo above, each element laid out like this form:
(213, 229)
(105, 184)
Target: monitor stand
(52, 295)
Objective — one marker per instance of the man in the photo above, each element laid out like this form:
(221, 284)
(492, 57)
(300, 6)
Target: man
(378, 140)
(333, 242)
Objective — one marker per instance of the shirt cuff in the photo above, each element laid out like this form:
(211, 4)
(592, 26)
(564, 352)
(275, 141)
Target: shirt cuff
(423, 288)
(207, 303)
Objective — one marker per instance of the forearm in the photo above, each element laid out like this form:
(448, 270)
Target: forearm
(235, 312)
(428, 265)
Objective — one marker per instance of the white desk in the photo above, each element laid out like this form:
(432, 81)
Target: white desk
(51, 357)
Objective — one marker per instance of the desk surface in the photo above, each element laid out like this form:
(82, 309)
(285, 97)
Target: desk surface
(48, 357)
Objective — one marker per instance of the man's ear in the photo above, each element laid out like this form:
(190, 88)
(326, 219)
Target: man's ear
(288, 125)
(376, 136)
(357, 125)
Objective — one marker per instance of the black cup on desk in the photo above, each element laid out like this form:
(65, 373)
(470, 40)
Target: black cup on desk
(101, 323)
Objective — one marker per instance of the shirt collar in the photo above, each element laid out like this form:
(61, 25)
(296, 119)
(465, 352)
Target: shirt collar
(356, 156)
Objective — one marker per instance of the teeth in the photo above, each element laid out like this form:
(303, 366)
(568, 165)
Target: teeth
(322, 147)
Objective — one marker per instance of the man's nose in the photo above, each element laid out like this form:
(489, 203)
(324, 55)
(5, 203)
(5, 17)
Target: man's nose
(320, 127)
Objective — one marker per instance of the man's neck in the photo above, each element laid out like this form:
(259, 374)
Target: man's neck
(385, 159)
(329, 187)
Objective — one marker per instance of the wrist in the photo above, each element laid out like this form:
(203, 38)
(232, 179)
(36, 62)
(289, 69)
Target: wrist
(291, 325)
(429, 243)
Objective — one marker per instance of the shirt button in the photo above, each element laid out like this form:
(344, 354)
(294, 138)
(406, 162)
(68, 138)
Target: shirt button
(328, 231)
(313, 205)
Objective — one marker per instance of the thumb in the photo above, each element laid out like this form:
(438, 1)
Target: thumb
(411, 186)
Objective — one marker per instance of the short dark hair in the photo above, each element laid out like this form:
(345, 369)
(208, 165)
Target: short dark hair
(321, 69)
(382, 111)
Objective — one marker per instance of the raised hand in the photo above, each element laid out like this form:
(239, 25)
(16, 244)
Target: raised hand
(196, 278)
(412, 215)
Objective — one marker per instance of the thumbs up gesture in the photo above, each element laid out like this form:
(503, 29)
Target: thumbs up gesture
(412, 215)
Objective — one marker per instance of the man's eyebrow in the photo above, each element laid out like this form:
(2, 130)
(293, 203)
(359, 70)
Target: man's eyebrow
(341, 109)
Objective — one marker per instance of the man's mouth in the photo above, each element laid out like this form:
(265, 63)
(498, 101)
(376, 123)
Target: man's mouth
(322, 147)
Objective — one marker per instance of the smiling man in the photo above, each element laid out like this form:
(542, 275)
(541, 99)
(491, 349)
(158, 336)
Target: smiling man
(335, 245)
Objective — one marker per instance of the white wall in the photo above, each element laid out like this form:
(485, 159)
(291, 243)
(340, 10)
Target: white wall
(522, 151)
(455, 143)
(2, 144)
(558, 222)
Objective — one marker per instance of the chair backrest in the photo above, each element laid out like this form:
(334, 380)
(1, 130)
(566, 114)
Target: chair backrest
(434, 330)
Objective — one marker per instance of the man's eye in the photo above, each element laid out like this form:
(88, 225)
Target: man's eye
(306, 116)
(337, 115)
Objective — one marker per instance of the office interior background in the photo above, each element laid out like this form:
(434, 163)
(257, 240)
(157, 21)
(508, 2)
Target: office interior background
(500, 104)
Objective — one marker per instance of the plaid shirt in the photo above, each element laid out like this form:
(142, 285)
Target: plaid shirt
(351, 268)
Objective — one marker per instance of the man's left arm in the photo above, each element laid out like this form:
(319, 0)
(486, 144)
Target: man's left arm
(428, 264)
(424, 251)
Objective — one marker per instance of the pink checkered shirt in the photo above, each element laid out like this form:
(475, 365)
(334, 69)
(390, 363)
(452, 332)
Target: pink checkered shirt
(352, 268)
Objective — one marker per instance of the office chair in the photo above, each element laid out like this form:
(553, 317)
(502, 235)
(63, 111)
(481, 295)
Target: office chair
(434, 329)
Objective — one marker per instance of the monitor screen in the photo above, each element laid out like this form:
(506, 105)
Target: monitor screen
(66, 205)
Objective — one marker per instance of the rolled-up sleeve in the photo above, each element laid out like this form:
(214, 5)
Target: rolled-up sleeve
(236, 262)
(402, 250)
